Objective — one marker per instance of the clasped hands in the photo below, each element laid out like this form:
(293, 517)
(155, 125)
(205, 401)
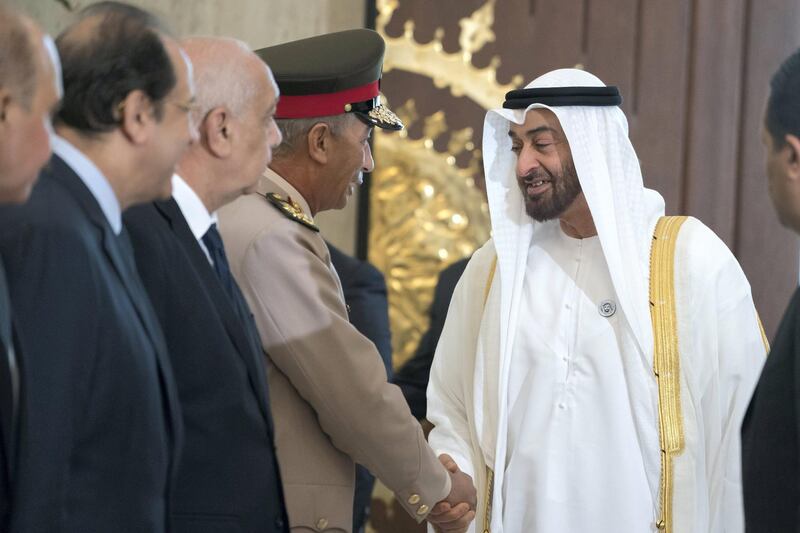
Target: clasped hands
(455, 513)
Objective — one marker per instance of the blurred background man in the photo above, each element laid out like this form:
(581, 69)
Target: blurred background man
(770, 454)
(100, 426)
(30, 87)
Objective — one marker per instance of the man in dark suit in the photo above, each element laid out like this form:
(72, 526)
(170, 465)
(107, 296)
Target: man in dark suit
(29, 89)
(770, 442)
(412, 378)
(100, 423)
(364, 291)
(228, 479)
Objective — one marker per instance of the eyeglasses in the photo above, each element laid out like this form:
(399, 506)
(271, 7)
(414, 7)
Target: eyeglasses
(187, 107)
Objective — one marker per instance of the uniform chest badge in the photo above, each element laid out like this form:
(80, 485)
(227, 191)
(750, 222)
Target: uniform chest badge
(291, 210)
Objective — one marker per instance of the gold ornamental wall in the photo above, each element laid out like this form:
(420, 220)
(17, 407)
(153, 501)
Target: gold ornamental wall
(425, 208)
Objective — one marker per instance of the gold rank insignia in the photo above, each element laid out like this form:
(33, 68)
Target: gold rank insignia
(291, 209)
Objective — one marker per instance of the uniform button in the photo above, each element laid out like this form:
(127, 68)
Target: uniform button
(413, 499)
(423, 509)
(279, 524)
(562, 406)
(322, 524)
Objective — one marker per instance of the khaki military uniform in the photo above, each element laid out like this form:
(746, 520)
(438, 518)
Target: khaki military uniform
(331, 402)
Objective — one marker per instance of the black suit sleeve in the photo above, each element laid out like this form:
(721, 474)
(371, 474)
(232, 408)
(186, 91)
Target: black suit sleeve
(412, 378)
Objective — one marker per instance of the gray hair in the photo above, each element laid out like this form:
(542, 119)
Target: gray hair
(219, 74)
(294, 130)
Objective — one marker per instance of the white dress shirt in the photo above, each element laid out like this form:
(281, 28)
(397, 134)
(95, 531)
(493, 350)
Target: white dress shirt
(194, 211)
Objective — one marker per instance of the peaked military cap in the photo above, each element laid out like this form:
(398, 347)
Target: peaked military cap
(331, 74)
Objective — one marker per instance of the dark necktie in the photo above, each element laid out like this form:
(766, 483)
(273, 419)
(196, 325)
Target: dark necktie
(216, 250)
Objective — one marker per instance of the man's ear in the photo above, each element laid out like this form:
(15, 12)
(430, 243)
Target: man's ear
(216, 131)
(791, 156)
(319, 142)
(136, 115)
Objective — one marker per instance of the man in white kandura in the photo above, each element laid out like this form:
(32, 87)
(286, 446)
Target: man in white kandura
(590, 334)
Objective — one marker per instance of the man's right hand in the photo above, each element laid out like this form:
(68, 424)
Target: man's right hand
(457, 511)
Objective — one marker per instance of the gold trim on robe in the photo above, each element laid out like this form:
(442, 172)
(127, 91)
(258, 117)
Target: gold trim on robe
(666, 357)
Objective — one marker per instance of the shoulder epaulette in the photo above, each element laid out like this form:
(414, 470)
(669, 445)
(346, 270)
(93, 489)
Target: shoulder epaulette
(291, 209)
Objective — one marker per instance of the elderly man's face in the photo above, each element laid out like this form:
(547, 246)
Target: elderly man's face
(258, 133)
(545, 172)
(25, 132)
(351, 157)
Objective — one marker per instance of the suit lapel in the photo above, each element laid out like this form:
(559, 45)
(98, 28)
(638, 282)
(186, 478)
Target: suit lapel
(120, 254)
(247, 346)
(116, 249)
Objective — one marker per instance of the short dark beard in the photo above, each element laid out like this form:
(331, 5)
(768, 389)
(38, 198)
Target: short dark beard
(565, 187)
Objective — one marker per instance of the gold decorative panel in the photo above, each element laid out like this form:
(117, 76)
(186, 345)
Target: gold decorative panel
(425, 210)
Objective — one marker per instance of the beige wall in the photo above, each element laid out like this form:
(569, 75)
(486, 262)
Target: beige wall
(259, 23)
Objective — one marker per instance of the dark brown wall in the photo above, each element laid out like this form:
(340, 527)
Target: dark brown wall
(694, 74)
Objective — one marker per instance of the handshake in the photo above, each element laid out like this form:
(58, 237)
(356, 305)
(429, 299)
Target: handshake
(455, 513)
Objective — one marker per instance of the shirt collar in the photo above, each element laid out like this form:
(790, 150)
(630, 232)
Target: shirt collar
(192, 208)
(291, 192)
(92, 177)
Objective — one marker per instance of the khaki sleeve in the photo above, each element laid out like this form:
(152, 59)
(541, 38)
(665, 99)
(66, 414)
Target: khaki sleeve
(303, 323)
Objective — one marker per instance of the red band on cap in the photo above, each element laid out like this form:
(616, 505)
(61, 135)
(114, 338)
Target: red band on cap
(323, 105)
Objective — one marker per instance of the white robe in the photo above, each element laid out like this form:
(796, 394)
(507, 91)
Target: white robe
(566, 362)
(721, 354)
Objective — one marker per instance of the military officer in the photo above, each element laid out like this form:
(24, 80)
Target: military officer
(331, 401)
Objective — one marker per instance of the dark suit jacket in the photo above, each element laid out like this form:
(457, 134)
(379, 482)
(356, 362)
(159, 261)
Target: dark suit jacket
(364, 291)
(770, 451)
(100, 422)
(5, 479)
(5, 455)
(412, 378)
(228, 479)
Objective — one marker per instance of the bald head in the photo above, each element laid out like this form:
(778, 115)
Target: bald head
(236, 99)
(226, 73)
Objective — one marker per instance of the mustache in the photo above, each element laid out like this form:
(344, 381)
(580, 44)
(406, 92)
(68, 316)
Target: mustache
(534, 175)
